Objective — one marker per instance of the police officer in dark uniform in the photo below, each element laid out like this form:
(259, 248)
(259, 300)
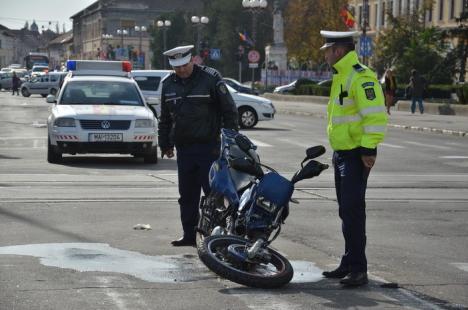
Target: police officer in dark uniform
(195, 105)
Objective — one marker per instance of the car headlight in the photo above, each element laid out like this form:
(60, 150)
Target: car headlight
(65, 122)
(144, 123)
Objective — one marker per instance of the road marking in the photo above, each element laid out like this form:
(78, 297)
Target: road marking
(461, 266)
(393, 146)
(301, 144)
(439, 147)
(454, 157)
(260, 143)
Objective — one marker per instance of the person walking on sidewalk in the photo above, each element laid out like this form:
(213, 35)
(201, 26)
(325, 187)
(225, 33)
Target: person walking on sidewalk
(15, 84)
(417, 86)
(390, 89)
(195, 105)
(356, 125)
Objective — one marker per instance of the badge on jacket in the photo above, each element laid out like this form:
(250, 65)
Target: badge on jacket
(370, 93)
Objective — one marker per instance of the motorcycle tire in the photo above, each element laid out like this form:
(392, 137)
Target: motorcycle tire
(213, 253)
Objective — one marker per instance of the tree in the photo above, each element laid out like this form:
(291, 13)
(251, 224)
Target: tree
(303, 21)
(407, 44)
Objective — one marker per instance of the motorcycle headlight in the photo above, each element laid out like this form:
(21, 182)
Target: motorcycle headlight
(65, 122)
(144, 123)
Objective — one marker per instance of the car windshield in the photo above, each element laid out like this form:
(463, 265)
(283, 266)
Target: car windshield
(232, 90)
(40, 69)
(101, 92)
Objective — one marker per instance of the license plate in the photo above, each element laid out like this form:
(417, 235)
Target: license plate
(105, 137)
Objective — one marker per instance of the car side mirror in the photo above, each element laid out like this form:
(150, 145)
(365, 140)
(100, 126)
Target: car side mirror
(51, 99)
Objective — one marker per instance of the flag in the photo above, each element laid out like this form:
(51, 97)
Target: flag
(244, 38)
(348, 18)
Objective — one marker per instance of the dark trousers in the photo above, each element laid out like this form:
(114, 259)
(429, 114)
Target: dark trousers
(193, 165)
(351, 183)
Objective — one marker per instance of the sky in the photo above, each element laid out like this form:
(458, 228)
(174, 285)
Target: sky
(14, 13)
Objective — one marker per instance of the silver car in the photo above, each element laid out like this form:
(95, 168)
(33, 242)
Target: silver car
(47, 84)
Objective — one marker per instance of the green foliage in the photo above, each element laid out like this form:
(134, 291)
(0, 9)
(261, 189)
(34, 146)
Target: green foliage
(407, 44)
(462, 93)
(313, 90)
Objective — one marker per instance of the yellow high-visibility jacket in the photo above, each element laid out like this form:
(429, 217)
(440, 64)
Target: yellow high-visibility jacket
(356, 110)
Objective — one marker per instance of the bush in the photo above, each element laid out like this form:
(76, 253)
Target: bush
(462, 93)
(313, 90)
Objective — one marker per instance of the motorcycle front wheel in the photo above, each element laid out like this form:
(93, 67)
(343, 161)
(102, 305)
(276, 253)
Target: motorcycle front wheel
(213, 252)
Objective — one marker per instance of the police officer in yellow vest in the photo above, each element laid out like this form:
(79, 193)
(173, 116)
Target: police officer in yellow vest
(356, 125)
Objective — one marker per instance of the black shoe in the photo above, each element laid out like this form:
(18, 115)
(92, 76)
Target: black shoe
(338, 273)
(355, 279)
(184, 241)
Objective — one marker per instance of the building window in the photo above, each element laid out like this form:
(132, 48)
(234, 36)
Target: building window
(429, 15)
(399, 6)
(376, 14)
(452, 9)
(416, 5)
(360, 16)
(382, 22)
(0, 43)
(390, 8)
(441, 9)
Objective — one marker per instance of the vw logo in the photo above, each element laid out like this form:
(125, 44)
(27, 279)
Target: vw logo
(105, 124)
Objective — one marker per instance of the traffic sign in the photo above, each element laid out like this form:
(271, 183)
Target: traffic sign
(253, 56)
(365, 46)
(215, 54)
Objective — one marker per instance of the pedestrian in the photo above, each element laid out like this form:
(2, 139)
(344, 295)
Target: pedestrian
(390, 89)
(195, 105)
(356, 125)
(15, 84)
(417, 86)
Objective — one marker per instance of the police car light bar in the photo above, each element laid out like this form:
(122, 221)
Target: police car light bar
(97, 67)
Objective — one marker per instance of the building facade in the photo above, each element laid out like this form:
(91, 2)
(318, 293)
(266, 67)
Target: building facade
(112, 29)
(7, 47)
(443, 13)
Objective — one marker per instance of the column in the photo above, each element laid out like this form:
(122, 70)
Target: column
(395, 8)
(379, 14)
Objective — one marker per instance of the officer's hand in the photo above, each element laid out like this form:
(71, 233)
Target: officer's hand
(368, 161)
(169, 153)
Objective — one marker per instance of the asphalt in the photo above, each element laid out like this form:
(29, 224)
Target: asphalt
(456, 125)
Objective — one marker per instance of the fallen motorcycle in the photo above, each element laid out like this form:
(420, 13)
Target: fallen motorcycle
(244, 212)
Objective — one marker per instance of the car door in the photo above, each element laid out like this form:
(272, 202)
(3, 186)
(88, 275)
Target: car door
(39, 84)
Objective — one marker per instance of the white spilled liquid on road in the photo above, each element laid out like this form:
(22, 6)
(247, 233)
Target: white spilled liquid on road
(99, 257)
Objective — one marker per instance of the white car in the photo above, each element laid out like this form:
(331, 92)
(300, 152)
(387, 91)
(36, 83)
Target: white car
(100, 109)
(251, 108)
(150, 83)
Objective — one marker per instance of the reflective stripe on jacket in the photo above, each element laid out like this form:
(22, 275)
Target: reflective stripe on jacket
(359, 119)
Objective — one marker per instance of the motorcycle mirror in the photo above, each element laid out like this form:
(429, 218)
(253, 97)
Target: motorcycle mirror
(312, 169)
(247, 166)
(313, 152)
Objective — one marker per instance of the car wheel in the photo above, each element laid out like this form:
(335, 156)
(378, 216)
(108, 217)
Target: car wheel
(151, 158)
(247, 117)
(25, 92)
(44, 95)
(53, 91)
(53, 156)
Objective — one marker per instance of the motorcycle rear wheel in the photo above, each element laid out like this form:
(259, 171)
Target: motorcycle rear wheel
(213, 252)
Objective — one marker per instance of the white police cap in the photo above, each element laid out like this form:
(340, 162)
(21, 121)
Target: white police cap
(342, 37)
(180, 55)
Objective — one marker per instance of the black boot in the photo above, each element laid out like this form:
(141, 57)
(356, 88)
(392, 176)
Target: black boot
(355, 279)
(184, 241)
(338, 273)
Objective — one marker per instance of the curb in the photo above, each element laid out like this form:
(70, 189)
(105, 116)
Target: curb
(406, 127)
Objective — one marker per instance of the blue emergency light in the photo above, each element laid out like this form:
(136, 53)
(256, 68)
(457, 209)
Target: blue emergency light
(71, 65)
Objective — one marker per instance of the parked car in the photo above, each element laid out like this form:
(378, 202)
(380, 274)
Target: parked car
(252, 108)
(6, 81)
(239, 87)
(291, 87)
(325, 83)
(150, 84)
(43, 85)
(39, 70)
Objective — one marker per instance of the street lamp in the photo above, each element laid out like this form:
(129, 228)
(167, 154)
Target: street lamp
(105, 43)
(122, 33)
(140, 30)
(254, 7)
(199, 22)
(164, 25)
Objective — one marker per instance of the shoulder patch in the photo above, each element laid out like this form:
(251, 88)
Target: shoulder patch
(370, 93)
(368, 84)
(212, 71)
(358, 68)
